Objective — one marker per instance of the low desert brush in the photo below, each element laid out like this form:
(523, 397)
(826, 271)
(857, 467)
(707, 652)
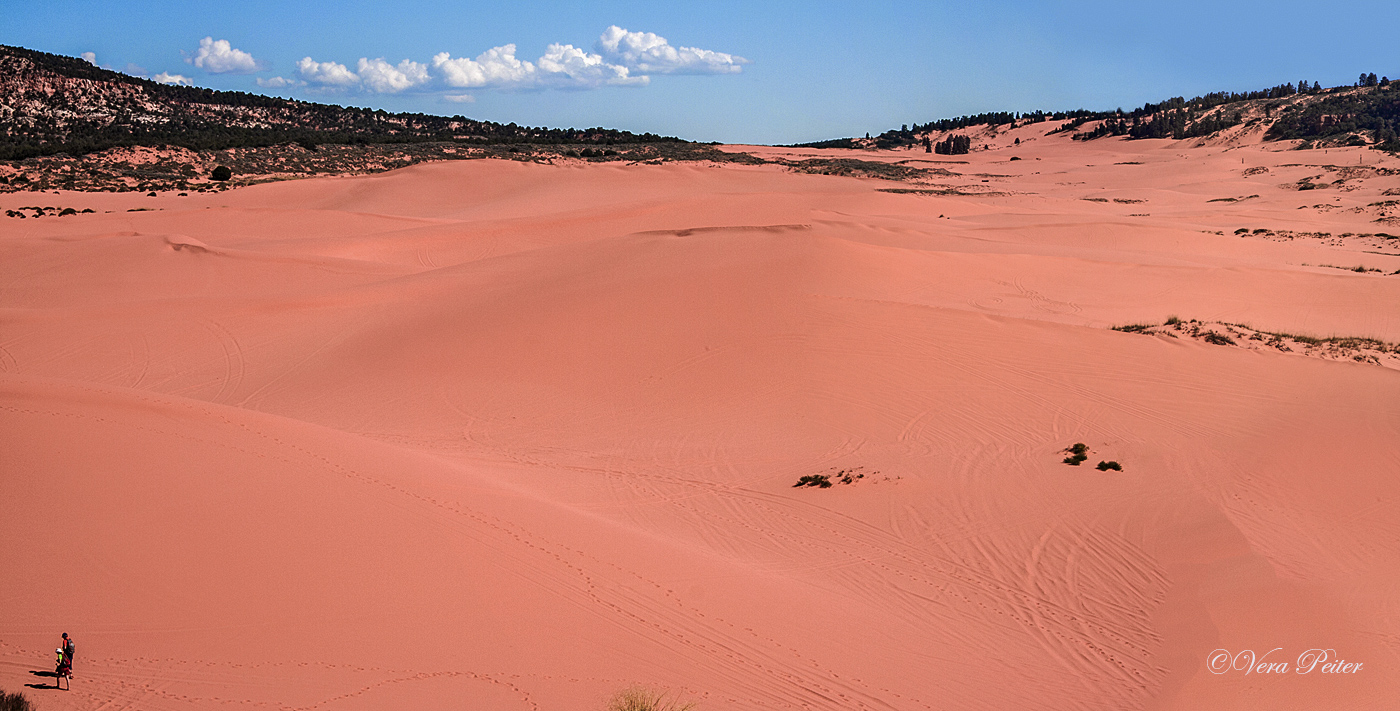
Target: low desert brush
(1078, 453)
(14, 702)
(640, 698)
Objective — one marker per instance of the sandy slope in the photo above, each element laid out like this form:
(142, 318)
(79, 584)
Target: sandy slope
(508, 436)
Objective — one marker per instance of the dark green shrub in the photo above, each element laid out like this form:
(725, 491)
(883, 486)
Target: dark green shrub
(1105, 466)
(1078, 453)
(818, 480)
(221, 173)
(1218, 339)
(14, 702)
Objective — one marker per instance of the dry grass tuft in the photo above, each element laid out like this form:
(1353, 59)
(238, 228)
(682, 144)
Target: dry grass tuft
(640, 698)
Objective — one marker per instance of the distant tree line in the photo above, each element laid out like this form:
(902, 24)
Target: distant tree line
(833, 143)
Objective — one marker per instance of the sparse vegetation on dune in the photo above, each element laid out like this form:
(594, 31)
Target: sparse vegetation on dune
(844, 476)
(1078, 452)
(641, 698)
(14, 702)
(171, 168)
(1134, 327)
(164, 168)
(1378, 239)
(1349, 348)
(1359, 269)
(946, 190)
(45, 211)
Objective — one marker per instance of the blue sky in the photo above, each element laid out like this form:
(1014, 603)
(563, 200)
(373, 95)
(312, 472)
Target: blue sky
(774, 72)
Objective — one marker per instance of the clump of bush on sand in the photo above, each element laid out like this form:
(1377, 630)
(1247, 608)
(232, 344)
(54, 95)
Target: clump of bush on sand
(640, 698)
(1105, 466)
(1134, 327)
(840, 476)
(1077, 454)
(14, 702)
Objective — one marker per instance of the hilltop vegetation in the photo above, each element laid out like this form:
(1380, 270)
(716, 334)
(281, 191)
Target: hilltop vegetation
(55, 104)
(1368, 113)
(1372, 109)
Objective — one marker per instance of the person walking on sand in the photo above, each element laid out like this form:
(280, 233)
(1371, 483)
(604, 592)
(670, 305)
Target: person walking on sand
(64, 670)
(68, 647)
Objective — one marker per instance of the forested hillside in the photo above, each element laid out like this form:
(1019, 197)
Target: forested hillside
(1365, 114)
(53, 104)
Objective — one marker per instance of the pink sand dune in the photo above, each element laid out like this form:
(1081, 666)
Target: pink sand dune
(498, 435)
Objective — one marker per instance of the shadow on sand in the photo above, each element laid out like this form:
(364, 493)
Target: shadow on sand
(51, 675)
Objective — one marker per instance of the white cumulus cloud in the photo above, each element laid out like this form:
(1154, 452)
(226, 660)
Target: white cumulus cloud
(568, 66)
(494, 67)
(326, 73)
(89, 57)
(167, 78)
(459, 98)
(382, 77)
(277, 82)
(373, 75)
(220, 57)
(649, 53)
(563, 66)
(622, 58)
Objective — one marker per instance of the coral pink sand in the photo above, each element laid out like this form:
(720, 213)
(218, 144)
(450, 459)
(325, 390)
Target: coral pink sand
(495, 435)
